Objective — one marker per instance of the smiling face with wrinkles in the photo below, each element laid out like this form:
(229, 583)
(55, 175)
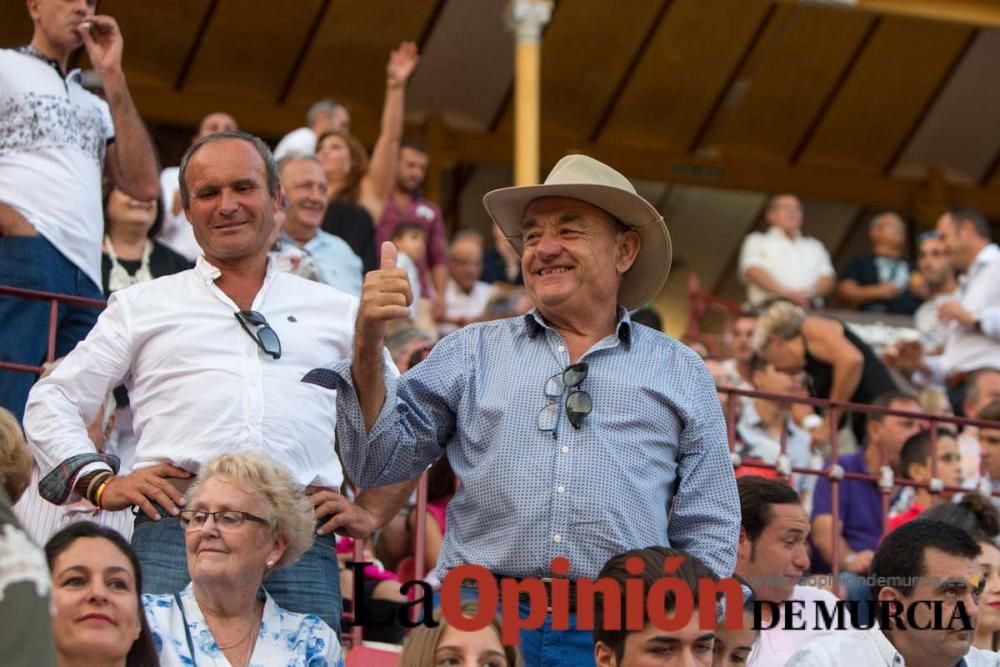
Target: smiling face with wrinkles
(574, 258)
(230, 208)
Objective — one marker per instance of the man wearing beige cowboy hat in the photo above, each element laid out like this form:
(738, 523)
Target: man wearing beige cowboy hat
(574, 432)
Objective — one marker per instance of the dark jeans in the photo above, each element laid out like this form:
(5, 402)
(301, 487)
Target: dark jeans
(31, 262)
(310, 586)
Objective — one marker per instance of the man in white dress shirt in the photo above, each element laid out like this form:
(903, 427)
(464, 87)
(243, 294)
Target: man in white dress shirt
(923, 567)
(782, 262)
(773, 555)
(212, 359)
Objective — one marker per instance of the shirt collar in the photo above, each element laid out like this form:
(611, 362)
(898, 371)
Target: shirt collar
(210, 273)
(984, 256)
(535, 324)
(73, 75)
(884, 647)
(774, 230)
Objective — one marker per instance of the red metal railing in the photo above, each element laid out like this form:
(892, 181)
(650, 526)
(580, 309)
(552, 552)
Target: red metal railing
(54, 301)
(886, 479)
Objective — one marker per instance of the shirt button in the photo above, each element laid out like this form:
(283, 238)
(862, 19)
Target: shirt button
(565, 449)
(561, 489)
(562, 348)
(557, 538)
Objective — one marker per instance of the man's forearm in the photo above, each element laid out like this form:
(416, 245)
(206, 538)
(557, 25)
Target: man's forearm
(439, 276)
(369, 381)
(824, 286)
(384, 502)
(13, 223)
(764, 280)
(136, 170)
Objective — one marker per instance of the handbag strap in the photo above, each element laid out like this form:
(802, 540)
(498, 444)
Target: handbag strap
(187, 630)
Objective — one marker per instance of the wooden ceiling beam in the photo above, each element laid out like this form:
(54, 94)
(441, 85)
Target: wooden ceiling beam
(983, 13)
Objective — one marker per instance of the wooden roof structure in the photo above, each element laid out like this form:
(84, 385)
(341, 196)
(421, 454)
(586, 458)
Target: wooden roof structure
(856, 105)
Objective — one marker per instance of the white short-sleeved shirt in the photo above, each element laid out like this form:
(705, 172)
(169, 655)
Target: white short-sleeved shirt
(53, 139)
(177, 233)
(870, 648)
(797, 263)
(459, 304)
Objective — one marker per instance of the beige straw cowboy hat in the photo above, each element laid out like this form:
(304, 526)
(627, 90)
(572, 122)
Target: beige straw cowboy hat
(584, 178)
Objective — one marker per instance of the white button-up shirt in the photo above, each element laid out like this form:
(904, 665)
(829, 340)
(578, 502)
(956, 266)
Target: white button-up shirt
(966, 348)
(796, 263)
(198, 384)
(871, 649)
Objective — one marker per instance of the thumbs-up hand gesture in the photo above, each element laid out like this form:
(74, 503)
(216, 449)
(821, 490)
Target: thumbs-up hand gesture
(385, 296)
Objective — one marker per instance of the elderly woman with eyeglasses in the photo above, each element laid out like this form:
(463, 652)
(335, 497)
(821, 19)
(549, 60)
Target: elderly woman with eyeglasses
(246, 517)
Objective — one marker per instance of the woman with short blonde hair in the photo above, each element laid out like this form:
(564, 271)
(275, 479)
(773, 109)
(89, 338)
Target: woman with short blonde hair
(445, 645)
(15, 461)
(245, 517)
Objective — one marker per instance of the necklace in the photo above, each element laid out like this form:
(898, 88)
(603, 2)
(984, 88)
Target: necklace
(250, 635)
(119, 278)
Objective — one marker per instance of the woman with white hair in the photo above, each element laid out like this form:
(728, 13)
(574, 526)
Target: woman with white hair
(246, 517)
(838, 365)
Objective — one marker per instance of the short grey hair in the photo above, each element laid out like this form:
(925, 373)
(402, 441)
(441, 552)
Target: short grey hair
(295, 157)
(885, 217)
(783, 319)
(319, 109)
(288, 511)
(270, 168)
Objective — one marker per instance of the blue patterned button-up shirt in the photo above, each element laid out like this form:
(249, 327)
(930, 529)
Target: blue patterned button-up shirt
(648, 466)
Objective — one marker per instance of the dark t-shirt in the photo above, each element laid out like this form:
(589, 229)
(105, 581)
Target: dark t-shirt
(495, 269)
(876, 269)
(353, 224)
(162, 262)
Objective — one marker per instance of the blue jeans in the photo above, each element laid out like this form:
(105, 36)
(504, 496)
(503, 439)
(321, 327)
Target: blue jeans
(543, 646)
(31, 262)
(310, 586)
(856, 588)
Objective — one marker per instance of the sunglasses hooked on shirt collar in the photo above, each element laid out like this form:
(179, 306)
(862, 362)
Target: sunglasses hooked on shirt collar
(260, 331)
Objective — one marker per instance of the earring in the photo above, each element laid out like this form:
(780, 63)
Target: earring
(270, 564)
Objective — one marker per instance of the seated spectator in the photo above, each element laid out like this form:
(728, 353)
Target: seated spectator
(741, 347)
(97, 596)
(408, 346)
(762, 422)
(42, 519)
(616, 646)
(358, 188)
(177, 233)
(839, 365)
(443, 644)
(245, 518)
(772, 558)
(466, 296)
(782, 263)
(880, 282)
(736, 646)
(334, 263)
(26, 631)
(407, 204)
(989, 440)
(323, 116)
(410, 239)
(915, 464)
(981, 389)
(922, 562)
(501, 261)
(131, 253)
(937, 281)
(976, 515)
(647, 316)
(860, 501)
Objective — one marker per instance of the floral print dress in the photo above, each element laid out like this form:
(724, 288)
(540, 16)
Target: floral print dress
(285, 639)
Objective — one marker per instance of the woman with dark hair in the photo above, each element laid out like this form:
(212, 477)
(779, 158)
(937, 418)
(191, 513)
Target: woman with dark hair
(359, 187)
(97, 594)
(131, 255)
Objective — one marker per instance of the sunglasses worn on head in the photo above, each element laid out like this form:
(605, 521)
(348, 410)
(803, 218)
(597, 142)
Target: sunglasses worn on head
(257, 328)
(578, 402)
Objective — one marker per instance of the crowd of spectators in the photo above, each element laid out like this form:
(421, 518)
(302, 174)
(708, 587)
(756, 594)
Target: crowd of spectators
(243, 473)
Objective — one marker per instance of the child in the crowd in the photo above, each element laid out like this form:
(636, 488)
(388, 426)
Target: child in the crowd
(915, 463)
(411, 240)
